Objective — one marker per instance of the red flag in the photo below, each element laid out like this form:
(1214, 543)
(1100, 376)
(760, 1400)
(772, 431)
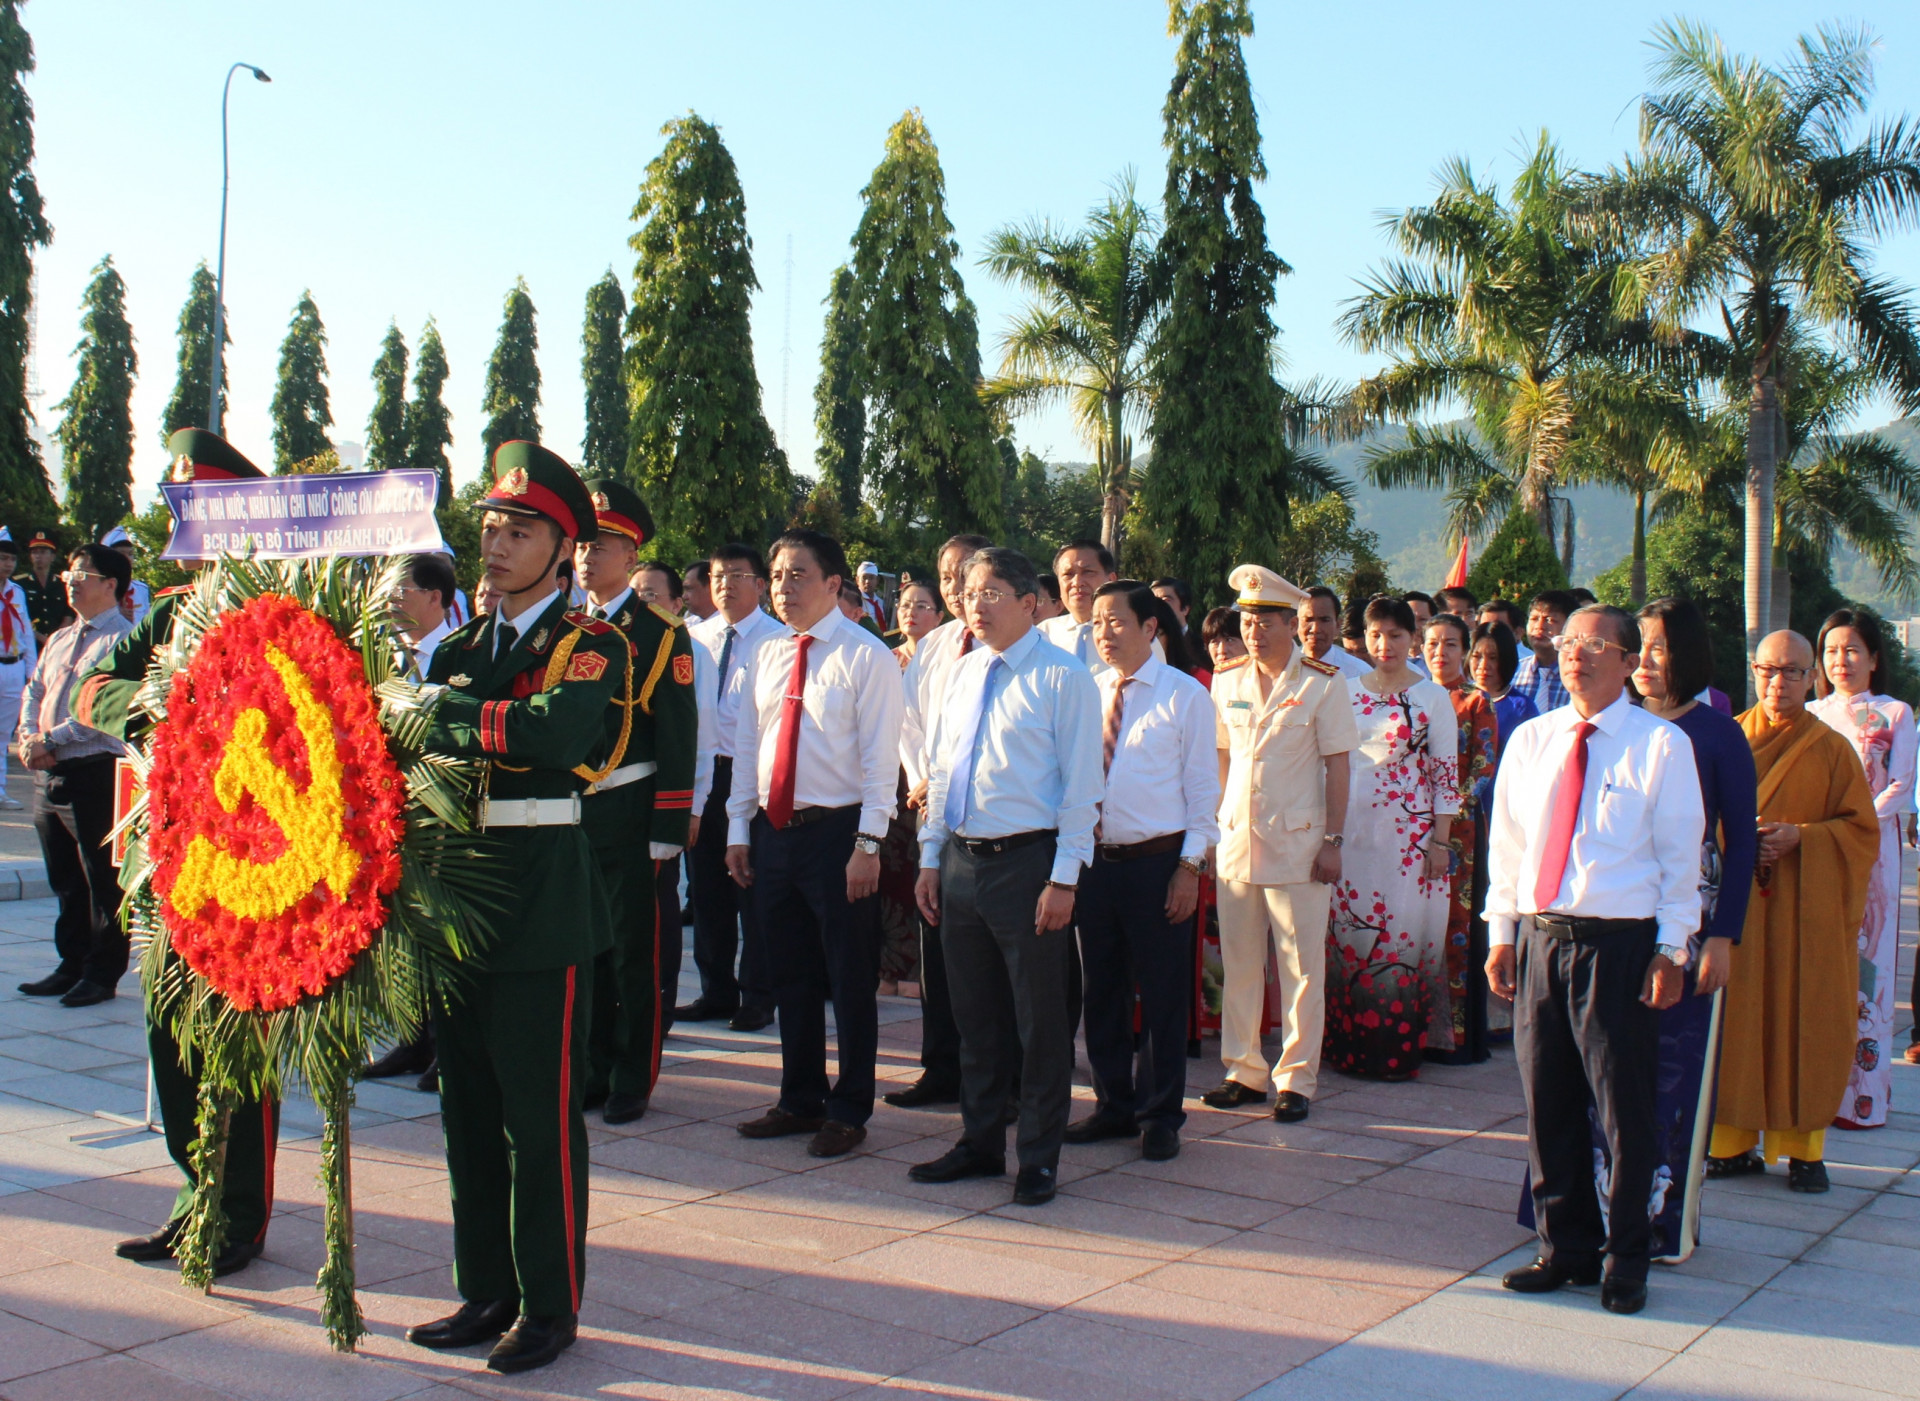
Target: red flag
(1457, 576)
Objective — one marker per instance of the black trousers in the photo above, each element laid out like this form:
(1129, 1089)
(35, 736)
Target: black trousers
(939, 1037)
(1009, 988)
(822, 948)
(73, 813)
(253, 1136)
(1583, 1035)
(1127, 944)
(725, 921)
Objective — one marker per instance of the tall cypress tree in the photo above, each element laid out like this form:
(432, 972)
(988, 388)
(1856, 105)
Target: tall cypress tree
(839, 413)
(429, 423)
(929, 450)
(1216, 490)
(301, 412)
(699, 442)
(512, 400)
(193, 372)
(387, 424)
(603, 451)
(25, 497)
(96, 434)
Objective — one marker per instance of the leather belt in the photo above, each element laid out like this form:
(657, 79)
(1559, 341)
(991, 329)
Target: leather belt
(1581, 928)
(1139, 851)
(627, 773)
(8, 661)
(530, 812)
(803, 816)
(999, 846)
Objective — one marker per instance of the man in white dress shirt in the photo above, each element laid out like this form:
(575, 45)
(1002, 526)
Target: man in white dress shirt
(19, 650)
(925, 686)
(1320, 633)
(139, 597)
(724, 923)
(1013, 794)
(1082, 567)
(818, 753)
(426, 600)
(1593, 872)
(1136, 902)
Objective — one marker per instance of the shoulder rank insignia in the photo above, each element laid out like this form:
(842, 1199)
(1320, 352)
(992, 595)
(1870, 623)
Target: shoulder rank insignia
(585, 666)
(672, 620)
(683, 670)
(1324, 668)
(587, 623)
(461, 680)
(1233, 664)
(161, 593)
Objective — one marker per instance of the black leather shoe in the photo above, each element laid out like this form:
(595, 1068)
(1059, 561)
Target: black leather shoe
(777, 1123)
(751, 1019)
(1034, 1186)
(1543, 1276)
(429, 1083)
(408, 1058)
(1159, 1143)
(836, 1139)
(469, 1324)
(158, 1246)
(53, 985)
(923, 1092)
(1623, 1295)
(1099, 1126)
(236, 1257)
(1231, 1094)
(1747, 1164)
(533, 1342)
(1805, 1176)
(87, 993)
(1290, 1107)
(701, 1010)
(956, 1164)
(623, 1108)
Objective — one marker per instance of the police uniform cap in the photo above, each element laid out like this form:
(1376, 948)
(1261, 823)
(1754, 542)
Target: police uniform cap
(529, 480)
(618, 508)
(1261, 590)
(42, 540)
(201, 455)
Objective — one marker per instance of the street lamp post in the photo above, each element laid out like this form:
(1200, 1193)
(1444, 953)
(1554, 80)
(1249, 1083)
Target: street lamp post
(220, 278)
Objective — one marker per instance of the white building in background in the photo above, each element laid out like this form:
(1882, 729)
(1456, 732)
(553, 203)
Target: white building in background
(1908, 631)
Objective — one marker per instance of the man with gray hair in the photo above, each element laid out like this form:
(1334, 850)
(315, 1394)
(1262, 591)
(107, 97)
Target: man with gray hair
(1014, 787)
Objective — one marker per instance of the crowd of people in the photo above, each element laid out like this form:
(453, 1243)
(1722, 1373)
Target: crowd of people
(1421, 826)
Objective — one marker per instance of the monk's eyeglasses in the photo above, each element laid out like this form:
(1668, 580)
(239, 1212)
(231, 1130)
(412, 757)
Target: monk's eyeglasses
(1792, 675)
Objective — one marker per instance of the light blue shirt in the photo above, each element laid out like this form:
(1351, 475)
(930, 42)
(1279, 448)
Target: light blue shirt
(1035, 750)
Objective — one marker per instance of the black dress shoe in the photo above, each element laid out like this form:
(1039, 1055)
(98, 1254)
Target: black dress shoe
(1747, 1164)
(751, 1019)
(1231, 1094)
(158, 1246)
(53, 985)
(957, 1163)
(1290, 1107)
(1034, 1186)
(1623, 1295)
(1543, 1276)
(777, 1123)
(836, 1139)
(1159, 1143)
(87, 993)
(533, 1342)
(922, 1092)
(701, 1010)
(623, 1108)
(1805, 1176)
(236, 1257)
(429, 1083)
(1101, 1125)
(408, 1058)
(469, 1324)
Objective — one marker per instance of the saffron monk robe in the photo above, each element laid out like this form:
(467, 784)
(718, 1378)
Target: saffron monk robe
(104, 700)
(638, 804)
(527, 686)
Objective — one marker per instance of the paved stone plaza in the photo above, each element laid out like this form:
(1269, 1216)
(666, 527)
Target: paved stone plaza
(1351, 1256)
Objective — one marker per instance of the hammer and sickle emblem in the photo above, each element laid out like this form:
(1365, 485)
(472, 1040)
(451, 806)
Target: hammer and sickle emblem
(313, 822)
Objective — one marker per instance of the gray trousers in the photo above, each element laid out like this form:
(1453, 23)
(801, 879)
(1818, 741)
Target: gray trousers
(1009, 991)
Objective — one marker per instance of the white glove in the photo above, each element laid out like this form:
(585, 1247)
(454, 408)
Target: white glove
(663, 851)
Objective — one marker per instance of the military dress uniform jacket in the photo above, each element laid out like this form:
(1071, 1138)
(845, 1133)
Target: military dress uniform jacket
(654, 719)
(1273, 811)
(536, 714)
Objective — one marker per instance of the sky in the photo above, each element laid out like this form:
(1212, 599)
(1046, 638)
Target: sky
(411, 159)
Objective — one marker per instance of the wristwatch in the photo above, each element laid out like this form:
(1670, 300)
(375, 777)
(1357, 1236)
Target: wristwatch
(1334, 840)
(1199, 867)
(865, 845)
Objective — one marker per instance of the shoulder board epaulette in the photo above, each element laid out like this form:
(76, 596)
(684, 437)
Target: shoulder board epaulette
(1233, 665)
(1324, 668)
(587, 623)
(168, 593)
(672, 620)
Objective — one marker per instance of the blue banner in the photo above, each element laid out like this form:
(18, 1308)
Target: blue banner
(352, 513)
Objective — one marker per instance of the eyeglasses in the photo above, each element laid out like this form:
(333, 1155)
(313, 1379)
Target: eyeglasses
(1566, 644)
(76, 576)
(990, 597)
(735, 576)
(1792, 675)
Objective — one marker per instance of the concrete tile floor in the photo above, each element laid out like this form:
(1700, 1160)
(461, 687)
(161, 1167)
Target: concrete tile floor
(1355, 1255)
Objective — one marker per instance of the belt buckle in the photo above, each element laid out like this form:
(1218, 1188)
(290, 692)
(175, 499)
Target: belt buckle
(533, 812)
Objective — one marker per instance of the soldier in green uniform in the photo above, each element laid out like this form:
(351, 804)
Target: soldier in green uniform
(526, 686)
(638, 803)
(104, 699)
(47, 607)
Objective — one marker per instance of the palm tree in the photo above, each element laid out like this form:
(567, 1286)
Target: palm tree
(1086, 338)
(1641, 439)
(1752, 203)
(1506, 307)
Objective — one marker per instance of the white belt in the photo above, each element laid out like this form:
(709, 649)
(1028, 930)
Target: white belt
(530, 812)
(621, 777)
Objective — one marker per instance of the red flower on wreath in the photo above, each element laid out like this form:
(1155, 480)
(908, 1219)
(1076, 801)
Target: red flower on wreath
(275, 807)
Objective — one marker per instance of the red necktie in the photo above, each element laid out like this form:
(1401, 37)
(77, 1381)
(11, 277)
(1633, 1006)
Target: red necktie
(787, 753)
(1566, 816)
(966, 642)
(1110, 733)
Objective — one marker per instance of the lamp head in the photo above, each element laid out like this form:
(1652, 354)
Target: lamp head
(259, 74)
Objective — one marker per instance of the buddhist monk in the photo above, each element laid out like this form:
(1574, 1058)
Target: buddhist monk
(1790, 998)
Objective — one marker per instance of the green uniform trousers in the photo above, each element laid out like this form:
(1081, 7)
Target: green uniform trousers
(512, 1055)
(253, 1132)
(628, 1026)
